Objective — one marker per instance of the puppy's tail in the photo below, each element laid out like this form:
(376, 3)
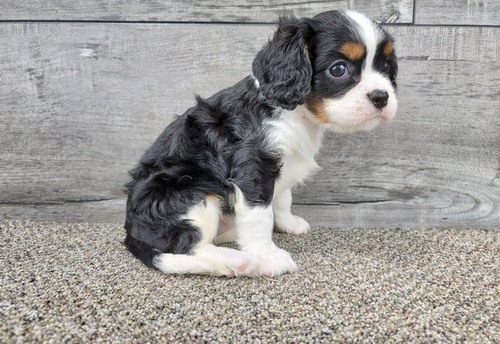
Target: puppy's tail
(142, 250)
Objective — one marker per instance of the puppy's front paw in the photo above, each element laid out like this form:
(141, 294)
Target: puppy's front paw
(276, 262)
(292, 224)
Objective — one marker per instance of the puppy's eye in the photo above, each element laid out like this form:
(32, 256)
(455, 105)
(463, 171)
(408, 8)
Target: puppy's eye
(339, 70)
(387, 64)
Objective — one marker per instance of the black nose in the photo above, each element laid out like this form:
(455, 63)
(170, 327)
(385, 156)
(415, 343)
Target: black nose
(379, 98)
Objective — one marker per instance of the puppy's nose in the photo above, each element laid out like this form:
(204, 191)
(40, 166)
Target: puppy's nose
(379, 98)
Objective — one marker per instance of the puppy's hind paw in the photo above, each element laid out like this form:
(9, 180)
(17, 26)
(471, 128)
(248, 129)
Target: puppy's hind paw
(245, 265)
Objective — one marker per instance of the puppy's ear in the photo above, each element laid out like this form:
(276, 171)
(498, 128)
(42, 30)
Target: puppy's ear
(283, 67)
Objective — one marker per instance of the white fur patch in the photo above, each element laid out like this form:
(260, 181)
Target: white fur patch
(205, 216)
(370, 34)
(299, 139)
(254, 227)
(184, 264)
(256, 82)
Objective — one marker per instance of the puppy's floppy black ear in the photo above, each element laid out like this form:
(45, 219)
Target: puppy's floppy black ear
(283, 67)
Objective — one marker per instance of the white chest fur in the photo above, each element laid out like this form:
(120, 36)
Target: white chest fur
(299, 139)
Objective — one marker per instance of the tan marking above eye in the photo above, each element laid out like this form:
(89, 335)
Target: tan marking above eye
(388, 49)
(353, 50)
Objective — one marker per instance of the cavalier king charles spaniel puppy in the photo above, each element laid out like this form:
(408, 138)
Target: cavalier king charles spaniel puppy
(224, 170)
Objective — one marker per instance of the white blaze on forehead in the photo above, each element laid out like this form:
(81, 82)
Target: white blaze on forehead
(370, 34)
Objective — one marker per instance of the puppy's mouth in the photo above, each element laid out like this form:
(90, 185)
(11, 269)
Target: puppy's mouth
(377, 114)
(362, 121)
(368, 116)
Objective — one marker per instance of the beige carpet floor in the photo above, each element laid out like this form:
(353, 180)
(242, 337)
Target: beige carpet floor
(77, 283)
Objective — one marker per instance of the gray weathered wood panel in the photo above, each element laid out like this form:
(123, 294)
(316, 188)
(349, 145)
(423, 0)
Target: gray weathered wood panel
(400, 11)
(457, 12)
(79, 103)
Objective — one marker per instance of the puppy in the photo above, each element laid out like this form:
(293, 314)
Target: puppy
(224, 170)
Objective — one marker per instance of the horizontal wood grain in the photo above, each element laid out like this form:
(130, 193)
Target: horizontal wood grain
(80, 102)
(451, 43)
(457, 12)
(400, 11)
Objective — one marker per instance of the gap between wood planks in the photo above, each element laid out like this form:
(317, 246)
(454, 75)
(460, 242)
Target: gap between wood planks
(60, 202)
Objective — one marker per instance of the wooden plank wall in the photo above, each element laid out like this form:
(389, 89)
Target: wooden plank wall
(86, 86)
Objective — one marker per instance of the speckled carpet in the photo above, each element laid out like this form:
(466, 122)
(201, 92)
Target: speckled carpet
(77, 283)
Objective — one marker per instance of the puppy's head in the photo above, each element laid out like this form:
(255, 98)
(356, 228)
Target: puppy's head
(340, 64)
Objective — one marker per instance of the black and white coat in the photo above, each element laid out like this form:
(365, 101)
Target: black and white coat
(224, 170)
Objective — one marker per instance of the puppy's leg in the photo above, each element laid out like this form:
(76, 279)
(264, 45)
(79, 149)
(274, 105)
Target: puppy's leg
(284, 220)
(254, 230)
(207, 258)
